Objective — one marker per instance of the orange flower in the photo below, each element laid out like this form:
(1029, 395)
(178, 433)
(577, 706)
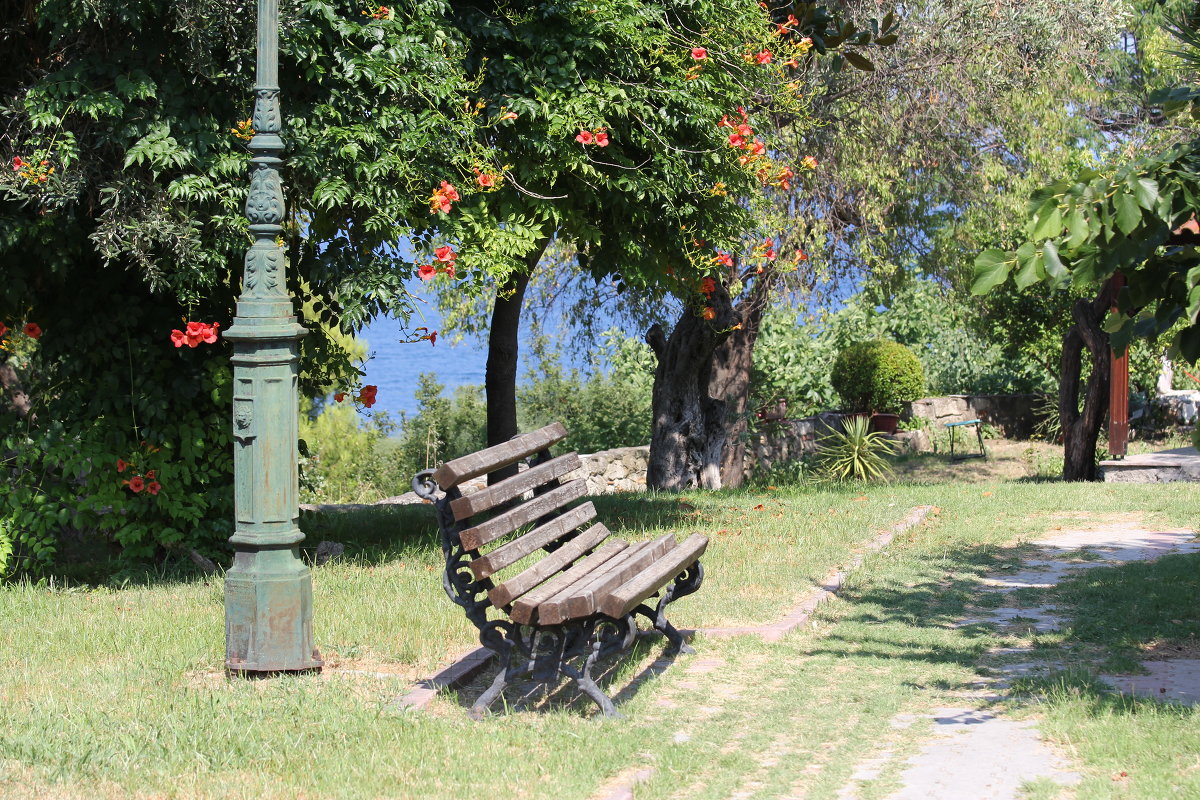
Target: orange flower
(426, 272)
(699, 53)
(708, 313)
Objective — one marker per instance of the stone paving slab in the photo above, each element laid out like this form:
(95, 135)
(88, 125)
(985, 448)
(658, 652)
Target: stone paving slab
(1177, 680)
(977, 754)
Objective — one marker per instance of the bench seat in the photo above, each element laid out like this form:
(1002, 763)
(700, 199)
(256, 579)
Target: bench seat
(537, 573)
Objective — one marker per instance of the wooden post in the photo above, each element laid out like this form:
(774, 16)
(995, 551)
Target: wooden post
(1118, 387)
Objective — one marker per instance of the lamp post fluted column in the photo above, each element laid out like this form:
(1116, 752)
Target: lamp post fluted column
(268, 591)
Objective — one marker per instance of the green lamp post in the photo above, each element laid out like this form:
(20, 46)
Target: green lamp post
(268, 591)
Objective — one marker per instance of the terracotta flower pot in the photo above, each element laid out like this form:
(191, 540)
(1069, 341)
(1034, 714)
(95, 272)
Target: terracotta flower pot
(884, 423)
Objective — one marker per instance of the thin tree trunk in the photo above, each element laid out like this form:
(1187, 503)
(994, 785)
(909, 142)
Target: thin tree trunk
(500, 376)
(1081, 428)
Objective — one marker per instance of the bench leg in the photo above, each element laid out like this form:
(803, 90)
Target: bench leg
(484, 703)
(686, 583)
(583, 679)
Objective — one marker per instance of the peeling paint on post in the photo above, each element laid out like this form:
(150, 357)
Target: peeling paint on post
(268, 591)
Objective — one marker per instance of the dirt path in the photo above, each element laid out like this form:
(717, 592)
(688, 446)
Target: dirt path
(977, 753)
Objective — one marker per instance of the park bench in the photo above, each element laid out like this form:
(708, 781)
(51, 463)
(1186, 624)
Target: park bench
(546, 585)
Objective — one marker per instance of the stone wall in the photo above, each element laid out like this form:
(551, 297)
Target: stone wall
(1013, 414)
(620, 470)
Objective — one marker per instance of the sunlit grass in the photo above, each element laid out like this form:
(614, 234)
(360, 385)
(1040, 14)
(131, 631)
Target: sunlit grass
(117, 690)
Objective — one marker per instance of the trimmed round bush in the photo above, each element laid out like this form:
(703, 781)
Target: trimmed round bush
(877, 376)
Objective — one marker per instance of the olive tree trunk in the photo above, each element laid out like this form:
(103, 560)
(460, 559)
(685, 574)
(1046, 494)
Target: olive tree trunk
(702, 390)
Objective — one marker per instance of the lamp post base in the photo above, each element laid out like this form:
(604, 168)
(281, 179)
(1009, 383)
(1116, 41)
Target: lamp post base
(268, 609)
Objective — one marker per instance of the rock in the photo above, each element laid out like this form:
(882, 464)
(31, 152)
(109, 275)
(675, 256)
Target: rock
(204, 564)
(328, 551)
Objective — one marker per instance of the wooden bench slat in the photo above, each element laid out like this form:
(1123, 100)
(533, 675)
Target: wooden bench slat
(511, 552)
(623, 599)
(553, 610)
(514, 487)
(583, 601)
(493, 458)
(509, 521)
(524, 610)
(548, 567)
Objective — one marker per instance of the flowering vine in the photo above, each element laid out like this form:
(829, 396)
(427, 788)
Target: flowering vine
(195, 333)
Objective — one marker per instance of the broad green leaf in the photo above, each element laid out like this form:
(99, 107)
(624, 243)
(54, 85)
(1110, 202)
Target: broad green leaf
(1146, 192)
(1054, 266)
(1050, 221)
(1078, 227)
(991, 269)
(1031, 272)
(1129, 216)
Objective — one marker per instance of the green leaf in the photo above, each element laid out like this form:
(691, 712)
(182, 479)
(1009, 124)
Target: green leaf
(991, 269)
(1129, 216)
(1050, 221)
(857, 61)
(1031, 272)
(1054, 265)
(1078, 227)
(1145, 190)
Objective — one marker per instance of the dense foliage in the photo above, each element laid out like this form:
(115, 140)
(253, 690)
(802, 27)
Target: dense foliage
(877, 376)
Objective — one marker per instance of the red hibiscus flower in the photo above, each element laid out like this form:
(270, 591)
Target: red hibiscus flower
(137, 483)
(585, 137)
(449, 269)
(745, 131)
(708, 286)
(758, 148)
(366, 395)
(426, 272)
(442, 197)
(3, 330)
(153, 487)
(121, 465)
(210, 333)
(602, 137)
(699, 53)
(179, 338)
(763, 57)
(735, 140)
(446, 254)
(32, 330)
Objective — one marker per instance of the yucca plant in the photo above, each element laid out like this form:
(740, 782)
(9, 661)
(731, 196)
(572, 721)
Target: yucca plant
(854, 453)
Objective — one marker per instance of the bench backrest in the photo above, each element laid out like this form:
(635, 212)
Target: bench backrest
(494, 522)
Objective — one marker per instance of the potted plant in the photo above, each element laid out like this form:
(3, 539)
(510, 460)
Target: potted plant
(878, 379)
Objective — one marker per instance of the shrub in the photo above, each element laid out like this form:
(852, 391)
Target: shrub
(854, 454)
(877, 376)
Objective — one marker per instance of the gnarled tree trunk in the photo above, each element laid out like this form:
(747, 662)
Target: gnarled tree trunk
(500, 376)
(729, 380)
(702, 391)
(1081, 428)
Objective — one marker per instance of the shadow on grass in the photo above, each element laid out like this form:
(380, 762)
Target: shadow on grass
(613, 674)
(1128, 608)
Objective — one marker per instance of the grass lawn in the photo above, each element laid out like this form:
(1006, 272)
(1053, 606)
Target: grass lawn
(117, 691)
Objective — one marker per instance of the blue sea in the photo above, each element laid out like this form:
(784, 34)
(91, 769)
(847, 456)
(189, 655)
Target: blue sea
(394, 366)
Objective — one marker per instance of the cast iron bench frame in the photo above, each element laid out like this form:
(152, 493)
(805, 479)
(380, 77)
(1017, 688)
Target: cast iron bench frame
(580, 600)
